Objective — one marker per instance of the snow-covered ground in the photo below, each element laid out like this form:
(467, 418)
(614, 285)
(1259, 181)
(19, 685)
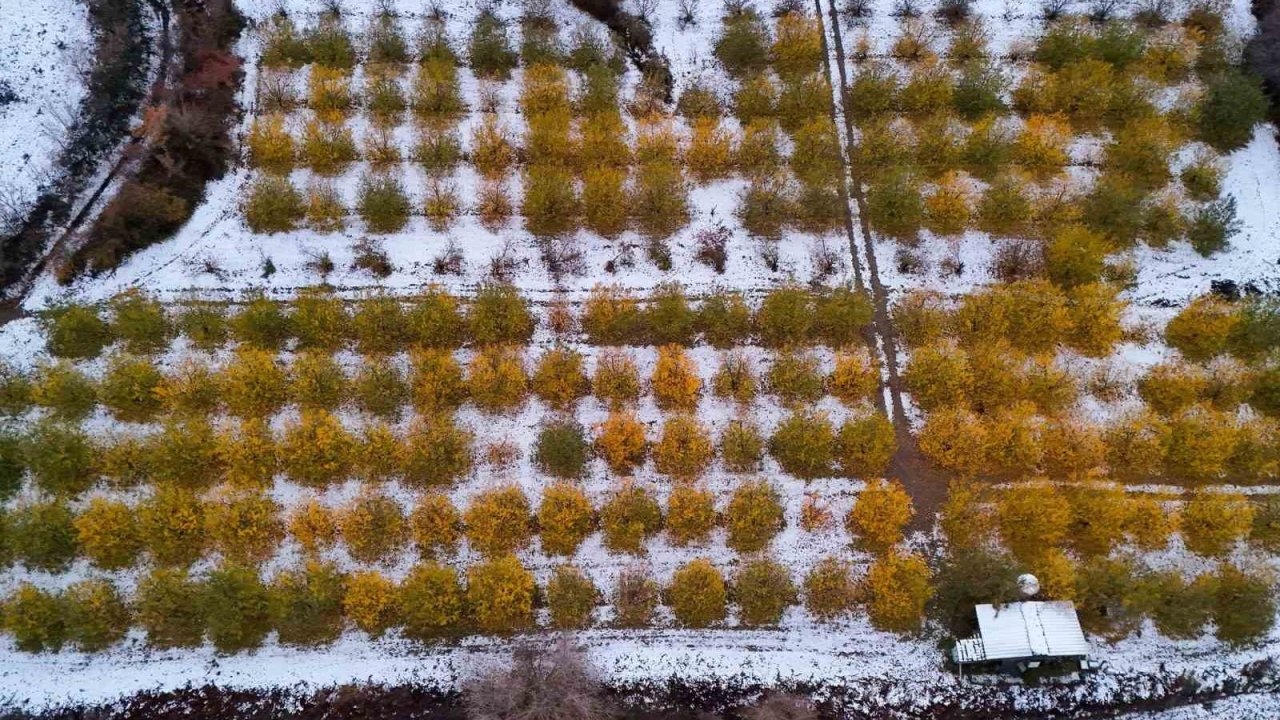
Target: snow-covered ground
(800, 649)
(45, 53)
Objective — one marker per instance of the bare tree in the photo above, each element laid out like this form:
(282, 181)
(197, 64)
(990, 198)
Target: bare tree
(542, 684)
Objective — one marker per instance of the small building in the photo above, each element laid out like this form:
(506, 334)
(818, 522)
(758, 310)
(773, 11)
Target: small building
(1021, 636)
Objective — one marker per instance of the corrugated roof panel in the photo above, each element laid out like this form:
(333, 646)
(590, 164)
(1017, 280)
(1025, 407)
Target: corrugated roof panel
(1030, 629)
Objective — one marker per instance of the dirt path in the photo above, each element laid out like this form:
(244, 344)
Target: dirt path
(926, 484)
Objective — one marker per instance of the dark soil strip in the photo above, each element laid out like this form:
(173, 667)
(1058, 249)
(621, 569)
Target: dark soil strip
(115, 90)
(677, 699)
(926, 484)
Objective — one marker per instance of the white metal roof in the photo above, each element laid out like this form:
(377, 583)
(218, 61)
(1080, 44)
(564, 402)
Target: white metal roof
(1030, 629)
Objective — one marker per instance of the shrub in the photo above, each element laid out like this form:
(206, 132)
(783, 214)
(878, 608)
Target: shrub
(691, 514)
(1094, 312)
(634, 598)
(762, 588)
(604, 201)
(1098, 516)
(1032, 518)
(328, 149)
(754, 516)
(766, 205)
(620, 442)
(1202, 329)
(565, 518)
(435, 525)
(549, 205)
(436, 92)
(758, 156)
(562, 449)
(856, 376)
(1243, 605)
(74, 332)
(675, 380)
(204, 324)
(796, 378)
(66, 391)
(697, 594)
(895, 208)
(684, 451)
(829, 589)
(437, 381)
(743, 44)
(897, 588)
(1232, 104)
(379, 325)
(1169, 387)
(382, 203)
(709, 155)
(61, 458)
(373, 527)
(379, 389)
(318, 382)
(191, 390)
(140, 322)
(668, 317)
(628, 518)
(35, 618)
(492, 153)
(956, 440)
(244, 527)
(879, 514)
(724, 319)
(1147, 524)
(571, 597)
(500, 315)
(611, 317)
(273, 205)
(130, 388)
(499, 521)
(379, 453)
(1201, 443)
(319, 321)
(1213, 225)
(920, 317)
(841, 315)
(313, 526)
(261, 324)
(173, 526)
(938, 376)
(489, 52)
(1042, 320)
(167, 606)
(43, 536)
(15, 391)
(741, 447)
(500, 595)
(1213, 522)
(436, 452)
(317, 451)
(236, 604)
(559, 378)
(1202, 180)
(306, 605)
(1072, 448)
(248, 454)
(1075, 256)
(786, 317)
(804, 445)
(431, 602)
(865, 445)
(253, 384)
(735, 379)
(496, 379)
(616, 380)
(659, 199)
(107, 534)
(371, 602)
(947, 208)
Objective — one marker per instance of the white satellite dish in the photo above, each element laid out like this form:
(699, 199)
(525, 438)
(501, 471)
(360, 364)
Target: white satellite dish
(1028, 584)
